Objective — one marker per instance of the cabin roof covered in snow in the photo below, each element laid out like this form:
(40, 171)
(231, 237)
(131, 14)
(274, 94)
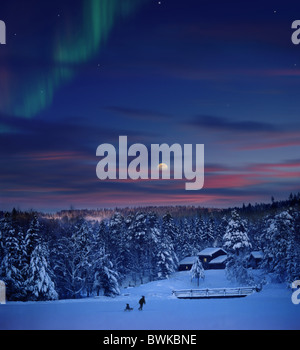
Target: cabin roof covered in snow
(220, 259)
(257, 254)
(188, 260)
(210, 251)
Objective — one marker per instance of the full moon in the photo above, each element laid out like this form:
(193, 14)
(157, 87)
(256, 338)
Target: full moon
(162, 166)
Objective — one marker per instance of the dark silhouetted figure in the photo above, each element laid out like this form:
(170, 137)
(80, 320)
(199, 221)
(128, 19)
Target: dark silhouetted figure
(142, 301)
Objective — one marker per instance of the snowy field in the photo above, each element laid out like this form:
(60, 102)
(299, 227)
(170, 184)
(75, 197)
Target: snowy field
(272, 308)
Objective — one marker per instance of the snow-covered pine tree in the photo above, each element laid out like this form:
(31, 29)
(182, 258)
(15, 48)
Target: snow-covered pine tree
(153, 235)
(71, 262)
(198, 232)
(197, 271)
(169, 228)
(165, 261)
(139, 249)
(11, 266)
(280, 256)
(166, 258)
(83, 235)
(236, 239)
(293, 260)
(255, 232)
(220, 231)
(293, 252)
(116, 231)
(5, 228)
(171, 231)
(39, 284)
(208, 235)
(32, 237)
(101, 233)
(237, 245)
(106, 278)
(185, 239)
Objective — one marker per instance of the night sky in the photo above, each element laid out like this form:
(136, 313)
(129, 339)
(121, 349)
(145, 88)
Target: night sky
(76, 74)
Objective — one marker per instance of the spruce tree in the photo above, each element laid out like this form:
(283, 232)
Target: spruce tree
(280, 252)
(11, 269)
(197, 271)
(39, 284)
(70, 266)
(137, 237)
(106, 278)
(116, 231)
(208, 235)
(185, 240)
(12, 258)
(83, 236)
(220, 231)
(236, 239)
(165, 264)
(237, 245)
(198, 232)
(32, 237)
(153, 235)
(166, 258)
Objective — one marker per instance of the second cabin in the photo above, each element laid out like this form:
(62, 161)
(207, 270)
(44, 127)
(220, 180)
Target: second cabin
(187, 263)
(213, 258)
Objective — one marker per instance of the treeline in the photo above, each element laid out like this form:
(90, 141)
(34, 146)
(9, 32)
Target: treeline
(178, 211)
(45, 258)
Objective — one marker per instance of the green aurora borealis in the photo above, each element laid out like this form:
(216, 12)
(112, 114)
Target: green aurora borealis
(73, 42)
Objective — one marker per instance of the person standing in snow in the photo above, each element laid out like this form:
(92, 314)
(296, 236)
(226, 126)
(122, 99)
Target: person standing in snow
(142, 301)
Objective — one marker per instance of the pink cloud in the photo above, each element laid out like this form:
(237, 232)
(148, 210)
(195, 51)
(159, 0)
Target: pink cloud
(50, 156)
(231, 181)
(266, 145)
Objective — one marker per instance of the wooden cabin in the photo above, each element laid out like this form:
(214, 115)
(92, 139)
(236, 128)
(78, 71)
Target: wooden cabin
(218, 263)
(255, 259)
(207, 255)
(187, 263)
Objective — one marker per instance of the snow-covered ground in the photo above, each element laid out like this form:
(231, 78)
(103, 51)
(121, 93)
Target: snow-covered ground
(272, 308)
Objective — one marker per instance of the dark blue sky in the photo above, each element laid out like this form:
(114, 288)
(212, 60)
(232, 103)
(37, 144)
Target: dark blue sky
(76, 74)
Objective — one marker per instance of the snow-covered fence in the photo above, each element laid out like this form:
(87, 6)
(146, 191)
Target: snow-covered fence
(214, 293)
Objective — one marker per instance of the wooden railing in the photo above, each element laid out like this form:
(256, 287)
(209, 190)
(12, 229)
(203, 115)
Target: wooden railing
(214, 292)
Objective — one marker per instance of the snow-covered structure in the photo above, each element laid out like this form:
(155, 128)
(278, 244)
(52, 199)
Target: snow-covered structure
(208, 257)
(219, 263)
(187, 263)
(255, 259)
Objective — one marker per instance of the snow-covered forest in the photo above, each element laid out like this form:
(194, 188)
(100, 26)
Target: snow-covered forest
(44, 257)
